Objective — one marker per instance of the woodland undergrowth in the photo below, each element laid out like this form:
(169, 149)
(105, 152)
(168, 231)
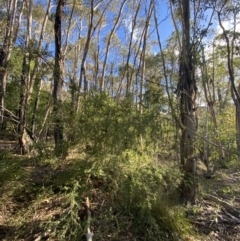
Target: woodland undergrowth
(131, 181)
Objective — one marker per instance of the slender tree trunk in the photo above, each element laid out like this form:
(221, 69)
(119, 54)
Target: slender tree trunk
(235, 91)
(73, 81)
(210, 98)
(237, 104)
(58, 80)
(187, 86)
(10, 34)
(64, 51)
(36, 104)
(175, 24)
(43, 124)
(143, 53)
(95, 84)
(24, 137)
(126, 70)
(108, 44)
(91, 29)
(38, 61)
(22, 104)
(3, 75)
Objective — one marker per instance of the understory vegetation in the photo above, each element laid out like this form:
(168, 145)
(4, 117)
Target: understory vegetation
(125, 164)
(119, 120)
(130, 180)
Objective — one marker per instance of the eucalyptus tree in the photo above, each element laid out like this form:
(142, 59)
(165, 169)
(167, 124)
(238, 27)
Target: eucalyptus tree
(132, 25)
(11, 19)
(148, 11)
(210, 83)
(229, 11)
(92, 25)
(195, 26)
(58, 78)
(109, 39)
(25, 81)
(38, 62)
(35, 54)
(187, 91)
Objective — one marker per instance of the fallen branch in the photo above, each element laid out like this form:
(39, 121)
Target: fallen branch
(10, 113)
(209, 223)
(236, 220)
(224, 204)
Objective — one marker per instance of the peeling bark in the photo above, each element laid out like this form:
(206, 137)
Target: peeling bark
(187, 90)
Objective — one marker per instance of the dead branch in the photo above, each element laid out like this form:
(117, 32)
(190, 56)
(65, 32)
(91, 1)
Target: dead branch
(11, 115)
(223, 204)
(236, 220)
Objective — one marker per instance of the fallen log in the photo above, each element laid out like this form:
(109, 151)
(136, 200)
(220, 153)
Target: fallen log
(223, 204)
(7, 145)
(237, 220)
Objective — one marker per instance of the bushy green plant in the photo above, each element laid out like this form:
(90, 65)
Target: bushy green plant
(116, 163)
(69, 226)
(140, 189)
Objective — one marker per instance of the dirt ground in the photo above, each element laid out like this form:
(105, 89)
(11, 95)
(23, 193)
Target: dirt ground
(217, 214)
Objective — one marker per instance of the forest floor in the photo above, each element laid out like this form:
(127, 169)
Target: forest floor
(27, 206)
(217, 213)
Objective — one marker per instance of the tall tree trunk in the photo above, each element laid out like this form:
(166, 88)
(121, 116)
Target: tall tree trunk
(22, 104)
(24, 136)
(187, 87)
(133, 29)
(237, 104)
(96, 54)
(44, 127)
(38, 62)
(10, 34)
(108, 44)
(91, 29)
(210, 98)
(58, 80)
(3, 74)
(36, 104)
(235, 91)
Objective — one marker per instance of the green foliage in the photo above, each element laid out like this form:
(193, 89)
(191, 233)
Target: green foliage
(139, 189)
(119, 151)
(10, 170)
(105, 125)
(69, 226)
(130, 191)
(12, 96)
(15, 63)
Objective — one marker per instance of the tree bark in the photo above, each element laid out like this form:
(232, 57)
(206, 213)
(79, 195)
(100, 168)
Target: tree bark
(24, 139)
(237, 104)
(187, 87)
(38, 61)
(3, 75)
(58, 80)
